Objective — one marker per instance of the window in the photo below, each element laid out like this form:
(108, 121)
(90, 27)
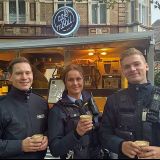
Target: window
(62, 3)
(17, 11)
(143, 12)
(133, 10)
(99, 11)
(32, 11)
(1, 11)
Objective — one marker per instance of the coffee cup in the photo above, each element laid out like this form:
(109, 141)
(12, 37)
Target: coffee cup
(142, 143)
(86, 117)
(38, 137)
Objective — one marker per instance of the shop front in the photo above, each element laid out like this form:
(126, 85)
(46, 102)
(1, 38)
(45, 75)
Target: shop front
(98, 55)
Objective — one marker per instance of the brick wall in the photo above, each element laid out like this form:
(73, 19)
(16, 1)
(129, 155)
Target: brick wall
(114, 15)
(42, 12)
(46, 12)
(49, 12)
(82, 9)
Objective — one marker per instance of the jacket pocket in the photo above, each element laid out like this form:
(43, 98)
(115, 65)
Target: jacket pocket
(125, 135)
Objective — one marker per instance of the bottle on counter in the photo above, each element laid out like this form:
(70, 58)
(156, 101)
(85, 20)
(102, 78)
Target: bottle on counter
(1, 88)
(4, 87)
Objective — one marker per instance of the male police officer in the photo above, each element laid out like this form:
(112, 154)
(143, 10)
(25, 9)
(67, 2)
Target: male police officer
(133, 114)
(22, 114)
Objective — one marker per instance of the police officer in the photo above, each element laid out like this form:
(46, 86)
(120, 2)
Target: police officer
(70, 136)
(22, 115)
(133, 113)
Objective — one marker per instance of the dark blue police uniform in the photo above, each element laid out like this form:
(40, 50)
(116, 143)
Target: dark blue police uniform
(63, 138)
(124, 119)
(22, 114)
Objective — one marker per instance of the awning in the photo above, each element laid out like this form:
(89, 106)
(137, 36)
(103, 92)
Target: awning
(139, 39)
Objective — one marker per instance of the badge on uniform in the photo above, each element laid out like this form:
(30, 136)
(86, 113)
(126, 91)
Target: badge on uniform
(40, 116)
(144, 115)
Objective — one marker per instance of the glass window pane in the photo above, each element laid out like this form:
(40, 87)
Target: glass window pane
(60, 5)
(12, 7)
(32, 11)
(94, 13)
(22, 8)
(70, 4)
(132, 11)
(1, 11)
(140, 12)
(102, 13)
(12, 12)
(22, 11)
(143, 14)
(147, 15)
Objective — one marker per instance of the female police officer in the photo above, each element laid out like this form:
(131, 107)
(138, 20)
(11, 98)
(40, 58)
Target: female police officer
(69, 136)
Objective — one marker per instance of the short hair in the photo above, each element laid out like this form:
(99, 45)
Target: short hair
(130, 52)
(71, 67)
(15, 61)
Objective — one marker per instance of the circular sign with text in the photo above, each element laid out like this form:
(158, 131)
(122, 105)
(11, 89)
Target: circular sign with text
(65, 21)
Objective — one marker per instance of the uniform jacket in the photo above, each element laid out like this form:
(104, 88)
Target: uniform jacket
(22, 115)
(62, 138)
(125, 115)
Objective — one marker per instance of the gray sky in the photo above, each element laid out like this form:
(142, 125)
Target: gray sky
(155, 13)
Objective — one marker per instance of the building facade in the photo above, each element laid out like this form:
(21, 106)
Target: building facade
(98, 34)
(32, 18)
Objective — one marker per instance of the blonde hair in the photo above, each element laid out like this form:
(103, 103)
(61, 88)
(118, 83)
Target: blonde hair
(130, 52)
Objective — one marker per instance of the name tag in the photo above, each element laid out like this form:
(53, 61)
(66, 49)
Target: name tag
(40, 116)
(144, 116)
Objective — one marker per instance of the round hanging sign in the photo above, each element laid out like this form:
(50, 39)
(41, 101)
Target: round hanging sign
(65, 21)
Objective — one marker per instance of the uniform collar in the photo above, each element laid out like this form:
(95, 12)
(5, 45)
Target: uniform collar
(22, 95)
(138, 87)
(85, 97)
(73, 99)
(139, 92)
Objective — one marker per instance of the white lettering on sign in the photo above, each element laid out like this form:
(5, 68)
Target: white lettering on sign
(65, 21)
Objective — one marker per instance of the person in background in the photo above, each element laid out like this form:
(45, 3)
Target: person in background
(22, 115)
(69, 136)
(133, 114)
(39, 79)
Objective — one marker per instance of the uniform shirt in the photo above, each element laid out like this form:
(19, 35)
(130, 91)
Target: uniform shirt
(22, 114)
(73, 99)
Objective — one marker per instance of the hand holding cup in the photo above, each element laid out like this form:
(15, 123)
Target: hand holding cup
(142, 143)
(86, 117)
(84, 125)
(37, 137)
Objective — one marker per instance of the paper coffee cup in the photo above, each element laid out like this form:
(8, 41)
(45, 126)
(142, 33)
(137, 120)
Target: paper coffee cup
(38, 137)
(86, 116)
(142, 143)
